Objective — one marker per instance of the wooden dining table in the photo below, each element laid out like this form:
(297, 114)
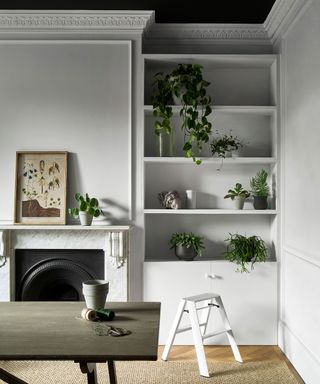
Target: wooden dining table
(56, 331)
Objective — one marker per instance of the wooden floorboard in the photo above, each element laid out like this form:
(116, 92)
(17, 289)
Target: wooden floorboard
(224, 353)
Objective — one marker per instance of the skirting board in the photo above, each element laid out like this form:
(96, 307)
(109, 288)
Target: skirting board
(304, 361)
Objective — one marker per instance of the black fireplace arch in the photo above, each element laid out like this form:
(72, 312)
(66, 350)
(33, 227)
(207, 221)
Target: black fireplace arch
(54, 280)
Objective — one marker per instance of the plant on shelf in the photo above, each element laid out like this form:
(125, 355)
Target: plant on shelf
(260, 189)
(225, 145)
(88, 208)
(187, 245)
(238, 195)
(187, 84)
(244, 251)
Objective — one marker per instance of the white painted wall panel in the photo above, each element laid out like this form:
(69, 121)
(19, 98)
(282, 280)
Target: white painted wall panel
(300, 312)
(73, 96)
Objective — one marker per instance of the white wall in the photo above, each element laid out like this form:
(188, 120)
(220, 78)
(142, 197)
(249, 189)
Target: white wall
(75, 97)
(300, 276)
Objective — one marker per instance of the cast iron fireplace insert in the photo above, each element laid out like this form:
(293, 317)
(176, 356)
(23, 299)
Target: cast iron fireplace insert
(55, 274)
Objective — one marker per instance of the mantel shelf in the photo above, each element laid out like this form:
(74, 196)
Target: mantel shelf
(22, 227)
(265, 110)
(212, 160)
(210, 211)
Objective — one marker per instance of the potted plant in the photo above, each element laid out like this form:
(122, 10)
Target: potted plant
(88, 208)
(238, 195)
(186, 83)
(187, 245)
(244, 251)
(260, 189)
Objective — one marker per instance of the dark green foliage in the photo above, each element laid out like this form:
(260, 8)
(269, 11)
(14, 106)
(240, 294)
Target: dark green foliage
(244, 250)
(259, 185)
(220, 146)
(185, 82)
(188, 240)
(86, 204)
(237, 191)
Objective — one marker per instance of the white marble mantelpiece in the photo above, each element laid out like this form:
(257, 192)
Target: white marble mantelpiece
(114, 240)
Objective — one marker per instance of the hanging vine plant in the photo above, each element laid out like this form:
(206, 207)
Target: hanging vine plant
(187, 84)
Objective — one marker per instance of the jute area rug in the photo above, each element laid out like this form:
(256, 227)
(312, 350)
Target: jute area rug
(158, 372)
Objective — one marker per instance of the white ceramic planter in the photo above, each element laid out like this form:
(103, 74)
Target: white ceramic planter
(95, 293)
(238, 202)
(85, 218)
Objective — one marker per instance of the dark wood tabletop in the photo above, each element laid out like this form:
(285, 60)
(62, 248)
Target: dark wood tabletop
(56, 331)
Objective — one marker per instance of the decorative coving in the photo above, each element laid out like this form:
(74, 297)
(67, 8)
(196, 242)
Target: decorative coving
(64, 20)
(281, 16)
(234, 32)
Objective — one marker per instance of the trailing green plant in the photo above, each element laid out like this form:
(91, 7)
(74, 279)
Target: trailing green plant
(188, 240)
(244, 251)
(86, 204)
(187, 83)
(237, 191)
(220, 146)
(259, 185)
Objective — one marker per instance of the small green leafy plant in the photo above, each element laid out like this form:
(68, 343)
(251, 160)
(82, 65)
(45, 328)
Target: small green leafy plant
(244, 251)
(188, 240)
(259, 185)
(86, 204)
(237, 191)
(187, 83)
(222, 145)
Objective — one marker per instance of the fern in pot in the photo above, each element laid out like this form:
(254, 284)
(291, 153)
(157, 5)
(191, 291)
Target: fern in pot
(245, 251)
(187, 245)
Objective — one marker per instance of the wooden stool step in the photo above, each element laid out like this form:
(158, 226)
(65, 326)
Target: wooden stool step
(188, 305)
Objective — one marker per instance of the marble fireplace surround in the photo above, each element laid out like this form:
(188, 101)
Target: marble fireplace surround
(113, 240)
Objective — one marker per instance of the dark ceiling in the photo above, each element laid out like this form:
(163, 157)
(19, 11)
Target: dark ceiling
(214, 11)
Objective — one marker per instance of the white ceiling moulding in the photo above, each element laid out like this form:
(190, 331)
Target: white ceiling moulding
(126, 21)
(282, 15)
(206, 33)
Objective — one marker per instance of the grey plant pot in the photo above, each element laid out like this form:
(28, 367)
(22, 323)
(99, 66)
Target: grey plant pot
(85, 218)
(184, 253)
(260, 202)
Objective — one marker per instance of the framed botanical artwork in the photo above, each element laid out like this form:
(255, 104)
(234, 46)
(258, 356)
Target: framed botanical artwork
(41, 188)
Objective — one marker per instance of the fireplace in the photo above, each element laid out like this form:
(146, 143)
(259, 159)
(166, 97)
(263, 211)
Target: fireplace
(50, 262)
(55, 274)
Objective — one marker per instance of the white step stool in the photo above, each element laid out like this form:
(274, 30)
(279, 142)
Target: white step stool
(213, 300)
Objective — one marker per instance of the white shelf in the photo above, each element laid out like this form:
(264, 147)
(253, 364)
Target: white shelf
(212, 160)
(210, 212)
(264, 110)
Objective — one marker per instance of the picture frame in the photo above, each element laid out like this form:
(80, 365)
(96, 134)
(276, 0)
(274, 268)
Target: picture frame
(41, 187)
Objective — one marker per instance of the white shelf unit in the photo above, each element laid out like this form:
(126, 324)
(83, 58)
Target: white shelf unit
(244, 94)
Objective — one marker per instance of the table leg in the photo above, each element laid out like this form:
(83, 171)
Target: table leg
(10, 379)
(91, 370)
(112, 372)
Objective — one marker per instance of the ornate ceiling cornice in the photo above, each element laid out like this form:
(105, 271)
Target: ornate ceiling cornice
(222, 32)
(75, 20)
(281, 16)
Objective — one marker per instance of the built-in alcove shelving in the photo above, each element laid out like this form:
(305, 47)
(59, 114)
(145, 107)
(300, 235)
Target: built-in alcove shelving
(243, 89)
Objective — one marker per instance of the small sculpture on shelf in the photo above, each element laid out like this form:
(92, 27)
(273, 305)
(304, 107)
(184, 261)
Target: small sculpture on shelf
(170, 199)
